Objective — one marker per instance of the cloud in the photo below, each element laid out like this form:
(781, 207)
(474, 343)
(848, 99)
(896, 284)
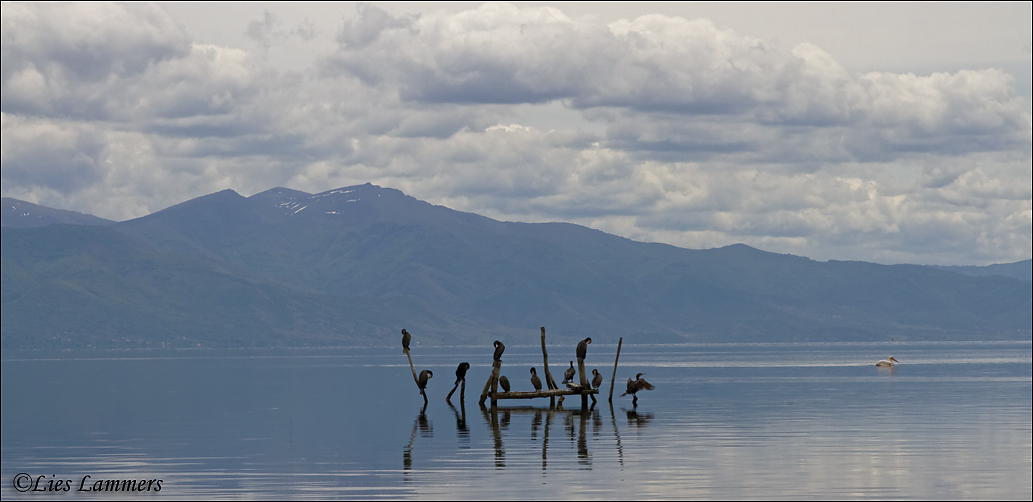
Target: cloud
(657, 71)
(672, 130)
(58, 156)
(56, 55)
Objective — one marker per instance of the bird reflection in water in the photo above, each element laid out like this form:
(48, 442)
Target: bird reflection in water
(462, 431)
(426, 429)
(637, 419)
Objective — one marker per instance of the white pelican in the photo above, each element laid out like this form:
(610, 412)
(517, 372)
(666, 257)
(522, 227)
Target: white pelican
(887, 363)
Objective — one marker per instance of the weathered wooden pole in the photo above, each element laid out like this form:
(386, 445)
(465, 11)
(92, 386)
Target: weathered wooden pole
(496, 367)
(549, 381)
(492, 384)
(462, 393)
(584, 382)
(615, 359)
(413, 368)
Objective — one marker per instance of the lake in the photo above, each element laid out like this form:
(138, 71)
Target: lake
(796, 421)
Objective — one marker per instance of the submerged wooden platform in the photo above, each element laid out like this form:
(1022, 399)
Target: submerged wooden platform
(542, 393)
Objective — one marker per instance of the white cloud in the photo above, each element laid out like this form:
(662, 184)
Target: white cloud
(672, 130)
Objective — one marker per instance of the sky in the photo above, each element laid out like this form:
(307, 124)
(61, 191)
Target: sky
(882, 132)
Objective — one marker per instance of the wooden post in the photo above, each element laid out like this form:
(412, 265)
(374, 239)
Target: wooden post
(496, 367)
(413, 368)
(491, 386)
(584, 382)
(549, 381)
(462, 393)
(615, 359)
(484, 393)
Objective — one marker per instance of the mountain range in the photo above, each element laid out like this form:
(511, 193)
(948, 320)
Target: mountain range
(355, 265)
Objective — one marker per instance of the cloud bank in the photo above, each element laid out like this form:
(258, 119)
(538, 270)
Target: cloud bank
(669, 129)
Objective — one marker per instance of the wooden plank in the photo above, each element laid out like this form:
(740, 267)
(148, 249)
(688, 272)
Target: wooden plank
(542, 393)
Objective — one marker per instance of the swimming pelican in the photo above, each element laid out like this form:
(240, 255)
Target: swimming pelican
(499, 349)
(568, 376)
(887, 363)
(535, 381)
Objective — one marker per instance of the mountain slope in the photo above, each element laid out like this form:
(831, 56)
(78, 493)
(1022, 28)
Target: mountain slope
(359, 263)
(20, 214)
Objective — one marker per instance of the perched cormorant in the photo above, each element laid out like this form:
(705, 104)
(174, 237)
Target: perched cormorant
(582, 347)
(636, 385)
(887, 363)
(424, 376)
(597, 380)
(504, 382)
(406, 338)
(535, 381)
(499, 349)
(568, 376)
(461, 372)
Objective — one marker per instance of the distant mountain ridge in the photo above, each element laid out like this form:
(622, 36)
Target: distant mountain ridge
(20, 214)
(356, 264)
(1021, 270)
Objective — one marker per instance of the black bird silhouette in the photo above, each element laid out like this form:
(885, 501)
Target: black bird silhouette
(568, 376)
(504, 382)
(636, 385)
(499, 349)
(461, 372)
(582, 347)
(424, 376)
(535, 381)
(597, 380)
(406, 338)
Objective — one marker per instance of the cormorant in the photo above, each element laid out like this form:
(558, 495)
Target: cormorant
(582, 347)
(636, 385)
(504, 382)
(535, 381)
(597, 380)
(568, 376)
(461, 372)
(424, 376)
(499, 349)
(406, 338)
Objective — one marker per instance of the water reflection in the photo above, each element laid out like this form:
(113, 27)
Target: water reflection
(639, 420)
(462, 431)
(578, 427)
(617, 437)
(426, 430)
(725, 422)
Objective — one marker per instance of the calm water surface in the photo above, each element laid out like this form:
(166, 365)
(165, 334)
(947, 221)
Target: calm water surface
(952, 420)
